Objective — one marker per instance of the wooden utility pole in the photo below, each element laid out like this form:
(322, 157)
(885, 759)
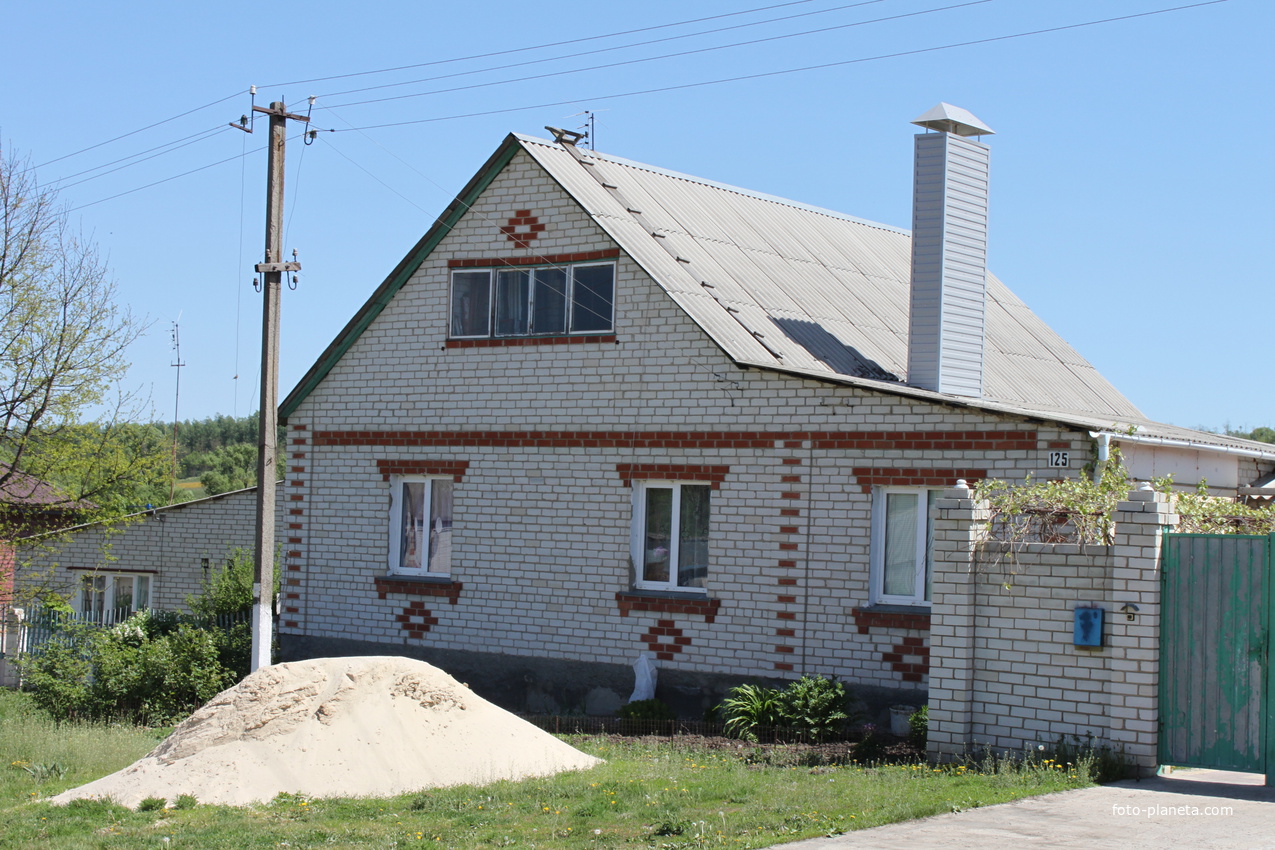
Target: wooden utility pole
(271, 271)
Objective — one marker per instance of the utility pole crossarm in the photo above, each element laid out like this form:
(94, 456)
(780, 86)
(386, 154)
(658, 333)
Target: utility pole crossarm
(281, 112)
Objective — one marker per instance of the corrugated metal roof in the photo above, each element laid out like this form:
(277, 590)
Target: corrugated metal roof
(807, 288)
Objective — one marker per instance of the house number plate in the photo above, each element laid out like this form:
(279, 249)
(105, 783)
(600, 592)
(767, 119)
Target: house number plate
(1057, 459)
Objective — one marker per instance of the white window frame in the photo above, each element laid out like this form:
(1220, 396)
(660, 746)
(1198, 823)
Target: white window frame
(569, 319)
(109, 591)
(637, 542)
(924, 547)
(396, 531)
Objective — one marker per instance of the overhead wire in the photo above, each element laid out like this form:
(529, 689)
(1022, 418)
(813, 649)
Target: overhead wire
(198, 137)
(538, 46)
(601, 49)
(666, 55)
(765, 74)
(139, 130)
(131, 156)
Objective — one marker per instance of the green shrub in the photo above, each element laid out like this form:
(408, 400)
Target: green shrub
(749, 708)
(812, 707)
(185, 801)
(58, 676)
(152, 804)
(647, 709)
(919, 726)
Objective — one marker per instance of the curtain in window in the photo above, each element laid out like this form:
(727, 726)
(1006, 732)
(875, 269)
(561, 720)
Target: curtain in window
(440, 527)
(901, 510)
(513, 294)
(93, 597)
(592, 298)
(412, 525)
(471, 307)
(692, 548)
(549, 302)
(659, 533)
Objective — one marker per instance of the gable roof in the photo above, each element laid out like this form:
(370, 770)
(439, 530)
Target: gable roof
(792, 288)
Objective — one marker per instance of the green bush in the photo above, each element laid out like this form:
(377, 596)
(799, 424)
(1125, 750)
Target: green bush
(814, 707)
(811, 707)
(647, 709)
(919, 726)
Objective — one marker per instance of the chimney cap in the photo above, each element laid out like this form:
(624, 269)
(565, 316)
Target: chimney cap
(947, 118)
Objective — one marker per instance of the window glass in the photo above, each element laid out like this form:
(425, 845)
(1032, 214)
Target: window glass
(692, 550)
(471, 307)
(592, 298)
(412, 525)
(549, 302)
(142, 592)
(899, 576)
(657, 544)
(93, 599)
(440, 527)
(513, 301)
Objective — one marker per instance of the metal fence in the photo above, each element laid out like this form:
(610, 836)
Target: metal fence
(26, 629)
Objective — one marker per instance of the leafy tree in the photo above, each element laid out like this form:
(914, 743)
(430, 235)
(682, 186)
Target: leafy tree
(67, 446)
(1261, 435)
(232, 468)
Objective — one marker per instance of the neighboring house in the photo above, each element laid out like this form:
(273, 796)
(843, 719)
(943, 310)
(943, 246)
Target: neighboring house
(29, 507)
(153, 559)
(602, 408)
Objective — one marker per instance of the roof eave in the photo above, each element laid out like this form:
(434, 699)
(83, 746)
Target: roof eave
(402, 272)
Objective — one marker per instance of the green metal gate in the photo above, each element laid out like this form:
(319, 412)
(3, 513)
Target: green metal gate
(1217, 703)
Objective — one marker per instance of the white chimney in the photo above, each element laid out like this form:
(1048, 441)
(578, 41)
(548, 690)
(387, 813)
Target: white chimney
(949, 253)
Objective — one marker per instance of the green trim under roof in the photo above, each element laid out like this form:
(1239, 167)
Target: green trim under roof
(402, 274)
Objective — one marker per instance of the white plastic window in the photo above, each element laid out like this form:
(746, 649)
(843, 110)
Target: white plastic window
(113, 596)
(670, 535)
(421, 526)
(547, 301)
(902, 546)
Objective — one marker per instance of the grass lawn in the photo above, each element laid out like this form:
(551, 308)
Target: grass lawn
(648, 794)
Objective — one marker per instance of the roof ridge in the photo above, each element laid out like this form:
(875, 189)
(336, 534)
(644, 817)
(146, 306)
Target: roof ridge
(727, 187)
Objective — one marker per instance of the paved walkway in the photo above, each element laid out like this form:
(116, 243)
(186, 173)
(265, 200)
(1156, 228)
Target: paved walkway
(1188, 809)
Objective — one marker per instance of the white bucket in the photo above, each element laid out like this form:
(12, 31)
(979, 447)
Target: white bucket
(899, 715)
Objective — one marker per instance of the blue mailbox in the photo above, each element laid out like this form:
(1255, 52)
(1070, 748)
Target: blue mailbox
(1088, 627)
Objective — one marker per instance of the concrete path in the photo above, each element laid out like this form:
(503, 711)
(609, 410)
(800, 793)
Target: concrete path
(1187, 809)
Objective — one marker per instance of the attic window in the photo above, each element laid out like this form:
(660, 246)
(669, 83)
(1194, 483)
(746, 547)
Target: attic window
(551, 300)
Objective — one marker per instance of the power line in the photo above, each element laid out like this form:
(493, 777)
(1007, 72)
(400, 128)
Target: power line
(579, 54)
(666, 55)
(140, 130)
(765, 74)
(538, 46)
(131, 156)
(202, 135)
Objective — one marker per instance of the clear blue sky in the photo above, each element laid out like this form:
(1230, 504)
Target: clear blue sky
(1132, 183)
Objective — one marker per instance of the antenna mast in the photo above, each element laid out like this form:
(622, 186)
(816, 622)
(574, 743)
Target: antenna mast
(177, 394)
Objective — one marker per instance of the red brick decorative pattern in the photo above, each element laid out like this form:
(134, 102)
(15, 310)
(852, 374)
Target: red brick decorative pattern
(714, 475)
(866, 618)
(536, 260)
(930, 441)
(416, 620)
(448, 589)
(454, 468)
(665, 639)
(514, 232)
(508, 341)
(634, 601)
(911, 671)
(870, 476)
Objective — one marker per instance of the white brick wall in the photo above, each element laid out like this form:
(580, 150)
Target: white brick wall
(541, 536)
(1006, 673)
(169, 543)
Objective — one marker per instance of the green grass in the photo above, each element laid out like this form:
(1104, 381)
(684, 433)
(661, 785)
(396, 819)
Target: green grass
(648, 794)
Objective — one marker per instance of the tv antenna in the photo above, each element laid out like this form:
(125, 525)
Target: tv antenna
(177, 394)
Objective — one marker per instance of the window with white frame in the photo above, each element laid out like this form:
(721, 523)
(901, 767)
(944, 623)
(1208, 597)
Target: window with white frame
(902, 545)
(546, 301)
(670, 535)
(113, 595)
(421, 525)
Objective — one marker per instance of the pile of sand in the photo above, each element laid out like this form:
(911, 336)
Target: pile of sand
(337, 727)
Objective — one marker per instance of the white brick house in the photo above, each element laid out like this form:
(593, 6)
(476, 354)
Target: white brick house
(602, 409)
(153, 559)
